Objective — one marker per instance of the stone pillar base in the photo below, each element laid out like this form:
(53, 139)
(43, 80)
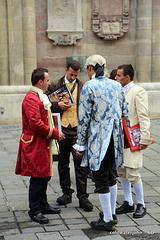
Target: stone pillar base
(11, 98)
(153, 90)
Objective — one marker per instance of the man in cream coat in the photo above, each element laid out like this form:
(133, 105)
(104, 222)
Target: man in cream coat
(137, 101)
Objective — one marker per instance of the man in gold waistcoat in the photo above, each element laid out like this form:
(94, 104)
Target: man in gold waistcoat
(69, 122)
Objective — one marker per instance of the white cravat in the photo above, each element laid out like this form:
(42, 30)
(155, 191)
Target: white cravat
(43, 97)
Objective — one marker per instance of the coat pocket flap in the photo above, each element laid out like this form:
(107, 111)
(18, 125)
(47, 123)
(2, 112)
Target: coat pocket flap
(26, 138)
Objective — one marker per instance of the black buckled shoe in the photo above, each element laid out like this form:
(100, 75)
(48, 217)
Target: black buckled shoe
(65, 198)
(39, 218)
(85, 204)
(140, 211)
(101, 225)
(50, 210)
(101, 215)
(125, 208)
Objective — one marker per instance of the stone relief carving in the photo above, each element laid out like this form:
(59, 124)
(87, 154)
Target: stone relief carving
(64, 8)
(64, 21)
(110, 19)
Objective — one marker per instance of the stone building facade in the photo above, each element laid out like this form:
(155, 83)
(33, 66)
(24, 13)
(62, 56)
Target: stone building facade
(49, 33)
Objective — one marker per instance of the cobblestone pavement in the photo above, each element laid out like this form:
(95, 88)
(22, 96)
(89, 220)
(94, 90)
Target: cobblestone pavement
(73, 223)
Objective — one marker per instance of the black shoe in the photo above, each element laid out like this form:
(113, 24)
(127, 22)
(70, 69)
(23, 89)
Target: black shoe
(140, 211)
(101, 225)
(65, 198)
(125, 208)
(85, 204)
(39, 218)
(101, 215)
(50, 210)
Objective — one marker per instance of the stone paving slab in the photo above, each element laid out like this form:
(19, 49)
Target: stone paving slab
(112, 237)
(80, 237)
(72, 233)
(150, 229)
(21, 237)
(33, 230)
(49, 236)
(73, 223)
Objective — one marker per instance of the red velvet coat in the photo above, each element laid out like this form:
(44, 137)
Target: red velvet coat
(33, 155)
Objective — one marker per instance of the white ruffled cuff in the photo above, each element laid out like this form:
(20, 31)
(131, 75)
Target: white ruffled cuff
(80, 148)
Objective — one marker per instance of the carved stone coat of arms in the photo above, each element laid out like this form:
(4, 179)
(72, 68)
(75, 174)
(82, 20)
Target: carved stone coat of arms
(110, 18)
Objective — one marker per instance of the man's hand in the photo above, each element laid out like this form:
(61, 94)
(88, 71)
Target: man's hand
(63, 105)
(79, 153)
(142, 146)
(61, 136)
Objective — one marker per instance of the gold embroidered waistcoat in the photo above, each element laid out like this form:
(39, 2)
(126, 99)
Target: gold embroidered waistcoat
(69, 116)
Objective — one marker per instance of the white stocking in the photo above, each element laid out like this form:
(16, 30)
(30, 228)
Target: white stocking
(104, 199)
(126, 185)
(113, 194)
(138, 188)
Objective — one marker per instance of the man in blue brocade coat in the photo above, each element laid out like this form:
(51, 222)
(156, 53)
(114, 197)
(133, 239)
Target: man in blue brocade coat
(100, 136)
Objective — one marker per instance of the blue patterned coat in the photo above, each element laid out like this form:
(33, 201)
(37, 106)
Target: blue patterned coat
(102, 106)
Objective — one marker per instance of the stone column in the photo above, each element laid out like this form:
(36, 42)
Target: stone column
(3, 45)
(156, 41)
(15, 42)
(144, 40)
(29, 39)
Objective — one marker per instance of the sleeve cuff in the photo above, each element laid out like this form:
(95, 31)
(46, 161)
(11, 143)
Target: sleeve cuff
(79, 147)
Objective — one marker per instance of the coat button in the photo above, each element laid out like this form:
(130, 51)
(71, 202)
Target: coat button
(48, 147)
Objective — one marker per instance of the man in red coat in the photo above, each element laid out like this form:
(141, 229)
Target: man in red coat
(34, 155)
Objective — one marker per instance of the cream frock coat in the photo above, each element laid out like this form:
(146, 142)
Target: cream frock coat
(137, 101)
